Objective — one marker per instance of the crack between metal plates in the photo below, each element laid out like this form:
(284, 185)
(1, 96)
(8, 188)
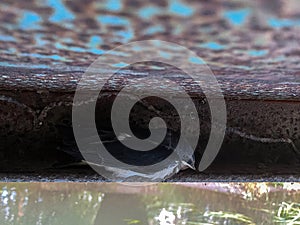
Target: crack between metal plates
(263, 139)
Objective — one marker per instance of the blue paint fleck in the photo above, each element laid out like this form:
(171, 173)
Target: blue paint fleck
(154, 29)
(237, 17)
(29, 20)
(95, 41)
(157, 67)
(61, 12)
(244, 67)
(70, 48)
(7, 64)
(59, 45)
(7, 38)
(179, 8)
(126, 35)
(57, 57)
(96, 51)
(196, 60)
(213, 46)
(278, 23)
(39, 39)
(257, 52)
(120, 64)
(165, 55)
(112, 20)
(76, 49)
(113, 5)
(148, 12)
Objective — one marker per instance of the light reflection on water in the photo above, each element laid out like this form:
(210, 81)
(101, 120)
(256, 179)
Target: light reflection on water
(114, 204)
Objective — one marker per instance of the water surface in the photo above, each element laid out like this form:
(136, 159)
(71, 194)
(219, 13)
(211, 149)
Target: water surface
(113, 204)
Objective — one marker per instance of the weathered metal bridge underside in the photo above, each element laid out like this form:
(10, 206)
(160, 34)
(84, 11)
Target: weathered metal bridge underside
(252, 48)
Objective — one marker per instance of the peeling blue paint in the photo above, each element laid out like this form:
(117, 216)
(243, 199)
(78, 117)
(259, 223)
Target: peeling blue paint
(76, 49)
(213, 46)
(58, 45)
(29, 20)
(120, 64)
(95, 41)
(61, 12)
(165, 55)
(179, 8)
(154, 67)
(97, 51)
(279, 23)
(7, 38)
(39, 39)
(196, 60)
(237, 17)
(154, 29)
(126, 35)
(257, 53)
(148, 12)
(112, 20)
(243, 67)
(113, 5)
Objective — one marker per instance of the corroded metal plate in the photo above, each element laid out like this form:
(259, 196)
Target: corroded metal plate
(253, 48)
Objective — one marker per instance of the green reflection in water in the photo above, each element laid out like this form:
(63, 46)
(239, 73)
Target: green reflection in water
(118, 204)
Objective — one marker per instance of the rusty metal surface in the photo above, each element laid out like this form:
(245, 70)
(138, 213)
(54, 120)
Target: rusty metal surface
(253, 47)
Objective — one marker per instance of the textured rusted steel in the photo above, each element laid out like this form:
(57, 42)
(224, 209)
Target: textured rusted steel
(253, 48)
